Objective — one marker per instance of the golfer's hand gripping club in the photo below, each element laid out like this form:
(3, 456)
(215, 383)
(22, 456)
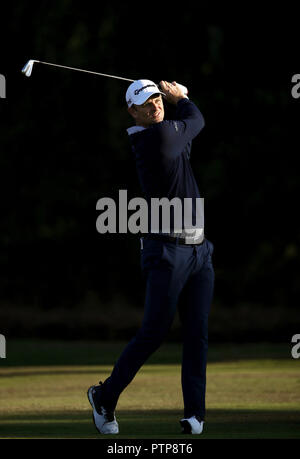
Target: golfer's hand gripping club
(173, 91)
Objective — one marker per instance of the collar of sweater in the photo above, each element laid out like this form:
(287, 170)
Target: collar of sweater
(134, 129)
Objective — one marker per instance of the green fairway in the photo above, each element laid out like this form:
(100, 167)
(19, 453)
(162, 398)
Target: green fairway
(253, 391)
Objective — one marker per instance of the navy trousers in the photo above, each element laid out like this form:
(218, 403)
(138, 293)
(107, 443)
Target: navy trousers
(170, 270)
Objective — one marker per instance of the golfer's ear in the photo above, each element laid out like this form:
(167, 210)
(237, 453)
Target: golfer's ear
(132, 111)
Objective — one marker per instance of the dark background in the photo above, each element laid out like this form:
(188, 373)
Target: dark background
(64, 145)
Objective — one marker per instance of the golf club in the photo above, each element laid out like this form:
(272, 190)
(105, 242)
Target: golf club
(27, 70)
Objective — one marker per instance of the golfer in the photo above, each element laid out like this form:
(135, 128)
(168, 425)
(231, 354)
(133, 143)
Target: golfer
(173, 262)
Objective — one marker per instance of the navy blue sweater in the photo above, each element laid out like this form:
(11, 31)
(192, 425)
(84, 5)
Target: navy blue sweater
(162, 154)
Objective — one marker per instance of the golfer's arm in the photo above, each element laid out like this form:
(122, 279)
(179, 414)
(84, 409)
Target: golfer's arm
(190, 119)
(174, 135)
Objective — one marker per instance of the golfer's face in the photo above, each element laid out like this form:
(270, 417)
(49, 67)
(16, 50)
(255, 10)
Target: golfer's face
(150, 112)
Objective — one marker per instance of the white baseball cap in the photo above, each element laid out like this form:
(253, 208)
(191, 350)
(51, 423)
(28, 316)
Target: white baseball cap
(140, 90)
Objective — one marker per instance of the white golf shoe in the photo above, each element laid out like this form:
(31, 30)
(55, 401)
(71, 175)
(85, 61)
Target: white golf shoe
(104, 419)
(192, 425)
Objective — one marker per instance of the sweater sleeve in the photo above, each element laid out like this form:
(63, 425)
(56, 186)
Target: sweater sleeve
(174, 135)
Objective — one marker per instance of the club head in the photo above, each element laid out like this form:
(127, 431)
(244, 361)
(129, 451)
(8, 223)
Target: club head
(27, 69)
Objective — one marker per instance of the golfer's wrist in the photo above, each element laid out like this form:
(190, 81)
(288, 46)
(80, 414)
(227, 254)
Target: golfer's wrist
(178, 99)
(174, 98)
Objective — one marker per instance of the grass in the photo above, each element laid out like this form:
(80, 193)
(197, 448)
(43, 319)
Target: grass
(253, 391)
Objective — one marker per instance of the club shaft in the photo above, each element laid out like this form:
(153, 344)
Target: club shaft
(86, 71)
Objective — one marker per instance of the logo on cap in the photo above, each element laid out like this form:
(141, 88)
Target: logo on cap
(137, 91)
